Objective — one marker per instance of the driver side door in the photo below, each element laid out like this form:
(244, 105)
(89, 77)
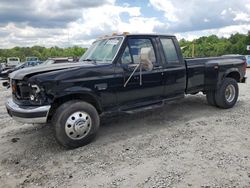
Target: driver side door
(151, 86)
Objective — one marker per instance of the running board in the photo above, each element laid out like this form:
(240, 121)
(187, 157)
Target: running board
(139, 107)
(144, 108)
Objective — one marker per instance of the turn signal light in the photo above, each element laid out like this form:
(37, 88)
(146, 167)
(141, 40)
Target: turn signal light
(245, 67)
(13, 88)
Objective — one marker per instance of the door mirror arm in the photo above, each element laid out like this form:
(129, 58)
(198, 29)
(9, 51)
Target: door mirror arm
(129, 67)
(144, 61)
(135, 69)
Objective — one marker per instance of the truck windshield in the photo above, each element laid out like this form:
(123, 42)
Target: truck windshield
(103, 50)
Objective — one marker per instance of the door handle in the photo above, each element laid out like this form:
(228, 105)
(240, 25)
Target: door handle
(157, 67)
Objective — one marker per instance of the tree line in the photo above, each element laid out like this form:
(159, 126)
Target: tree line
(214, 46)
(41, 52)
(206, 46)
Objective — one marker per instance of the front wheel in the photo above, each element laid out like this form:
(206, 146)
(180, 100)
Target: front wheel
(226, 96)
(76, 123)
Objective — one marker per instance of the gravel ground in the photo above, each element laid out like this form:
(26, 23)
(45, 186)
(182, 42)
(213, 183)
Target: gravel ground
(184, 144)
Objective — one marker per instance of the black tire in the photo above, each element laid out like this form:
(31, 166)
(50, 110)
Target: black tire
(61, 117)
(221, 93)
(211, 98)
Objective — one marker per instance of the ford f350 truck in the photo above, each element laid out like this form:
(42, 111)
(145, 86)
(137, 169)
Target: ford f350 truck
(122, 73)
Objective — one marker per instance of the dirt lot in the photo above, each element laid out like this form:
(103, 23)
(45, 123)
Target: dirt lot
(184, 144)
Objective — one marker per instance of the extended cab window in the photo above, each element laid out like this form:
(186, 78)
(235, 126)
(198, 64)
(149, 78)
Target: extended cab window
(169, 50)
(131, 53)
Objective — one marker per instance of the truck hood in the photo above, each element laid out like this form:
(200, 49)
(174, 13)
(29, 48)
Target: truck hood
(20, 74)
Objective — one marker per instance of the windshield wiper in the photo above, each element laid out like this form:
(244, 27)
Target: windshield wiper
(90, 60)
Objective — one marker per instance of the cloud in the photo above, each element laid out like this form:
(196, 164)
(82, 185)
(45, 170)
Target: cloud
(241, 16)
(167, 6)
(27, 36)
(221, 32)
(45, 13)
(76, 4)
(191, 15)
(91, 23)
(96, 22)
(79, 22)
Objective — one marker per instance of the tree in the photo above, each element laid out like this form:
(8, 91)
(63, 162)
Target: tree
(41, 52)
(208, 46)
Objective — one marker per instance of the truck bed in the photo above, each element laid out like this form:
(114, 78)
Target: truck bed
(202, 73)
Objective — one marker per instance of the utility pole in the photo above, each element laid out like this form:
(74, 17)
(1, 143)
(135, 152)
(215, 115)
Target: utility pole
(193, 51)
(68, 37)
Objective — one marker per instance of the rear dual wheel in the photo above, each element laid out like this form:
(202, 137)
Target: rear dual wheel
(211, 97)
(226, 95)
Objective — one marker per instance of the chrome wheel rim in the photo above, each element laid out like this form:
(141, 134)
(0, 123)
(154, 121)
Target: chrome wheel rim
(230, 93)
(78, 125)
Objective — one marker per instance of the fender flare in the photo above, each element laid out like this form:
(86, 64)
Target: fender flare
(78, 92)
(227, 72)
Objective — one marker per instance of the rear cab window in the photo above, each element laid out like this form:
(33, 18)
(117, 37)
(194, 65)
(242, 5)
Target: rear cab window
(169, 50)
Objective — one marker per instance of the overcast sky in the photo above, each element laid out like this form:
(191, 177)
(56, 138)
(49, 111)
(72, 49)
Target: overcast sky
(78, 22)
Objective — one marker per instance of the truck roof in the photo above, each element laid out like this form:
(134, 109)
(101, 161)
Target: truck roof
(138, 34)
(150, 34)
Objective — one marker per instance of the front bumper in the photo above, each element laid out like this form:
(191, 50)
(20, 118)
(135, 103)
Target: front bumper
(27, 114)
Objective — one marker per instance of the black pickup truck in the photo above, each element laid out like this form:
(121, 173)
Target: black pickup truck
(122, 73)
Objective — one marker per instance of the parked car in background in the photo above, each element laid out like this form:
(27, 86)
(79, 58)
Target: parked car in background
(13, 61)
(32, 59)
(2, 65)
(5, 73)
(32, 63)
(4, 69)
(56, 60)
(248, 60)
